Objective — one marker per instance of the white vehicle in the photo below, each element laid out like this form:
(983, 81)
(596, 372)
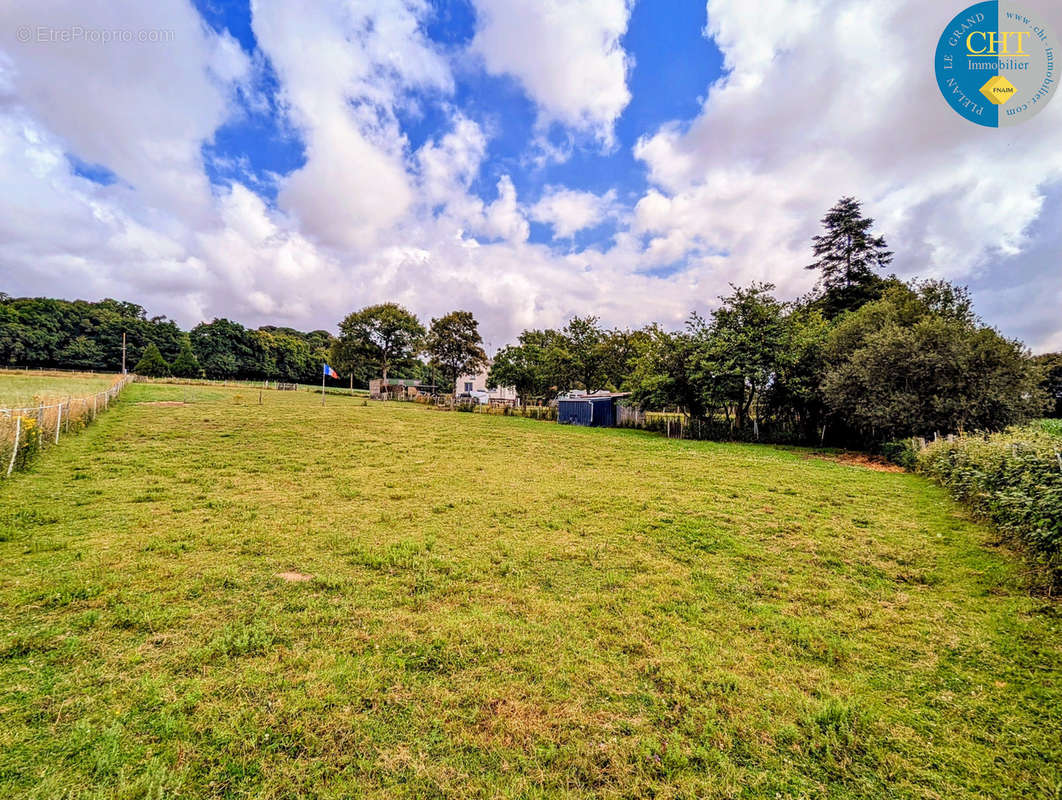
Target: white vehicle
(480, 397)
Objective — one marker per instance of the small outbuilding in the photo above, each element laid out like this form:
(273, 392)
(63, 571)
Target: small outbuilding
(397, 389)
(596, 410)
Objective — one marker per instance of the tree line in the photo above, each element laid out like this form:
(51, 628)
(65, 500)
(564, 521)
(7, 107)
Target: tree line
(864, 358)
(382, 340)
(77, 334)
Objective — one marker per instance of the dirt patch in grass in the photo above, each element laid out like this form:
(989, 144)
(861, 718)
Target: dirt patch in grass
(295, 577)
(515, 722)
(163, 403)
(859, 460)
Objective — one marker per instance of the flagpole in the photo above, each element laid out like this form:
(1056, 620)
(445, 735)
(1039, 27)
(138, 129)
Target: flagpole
(322, 384)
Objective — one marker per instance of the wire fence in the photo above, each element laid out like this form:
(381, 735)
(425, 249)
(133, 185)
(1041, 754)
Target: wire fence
(271, 383)
(672, 424)
(27, 431)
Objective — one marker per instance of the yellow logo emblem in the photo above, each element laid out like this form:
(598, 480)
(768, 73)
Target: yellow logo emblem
(998, 90)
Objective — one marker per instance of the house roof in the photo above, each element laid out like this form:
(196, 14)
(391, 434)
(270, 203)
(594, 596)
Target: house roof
(594, 396)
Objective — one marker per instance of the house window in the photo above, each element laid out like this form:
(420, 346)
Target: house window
(468, 386)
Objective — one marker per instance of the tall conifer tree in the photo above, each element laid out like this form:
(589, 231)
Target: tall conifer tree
(847, 256)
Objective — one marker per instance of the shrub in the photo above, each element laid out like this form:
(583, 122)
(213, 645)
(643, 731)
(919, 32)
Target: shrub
(1015, 480)
(152, 364)
(903, 453)
(186, 365)
(29, 442)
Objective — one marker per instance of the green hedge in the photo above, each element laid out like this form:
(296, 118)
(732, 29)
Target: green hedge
(903, 452)
(1013, 479)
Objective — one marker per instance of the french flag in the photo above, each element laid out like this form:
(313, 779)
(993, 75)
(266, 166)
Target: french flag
(329, 372)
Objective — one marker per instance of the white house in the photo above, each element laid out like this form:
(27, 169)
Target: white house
(467, 384)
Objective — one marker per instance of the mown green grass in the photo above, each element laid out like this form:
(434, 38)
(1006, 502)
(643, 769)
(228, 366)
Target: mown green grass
(29, 387)
(500, 607)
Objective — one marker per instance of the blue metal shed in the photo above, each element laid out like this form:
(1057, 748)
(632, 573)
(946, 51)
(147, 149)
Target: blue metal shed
(590, 411)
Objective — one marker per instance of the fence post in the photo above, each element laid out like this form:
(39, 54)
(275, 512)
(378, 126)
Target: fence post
(58, 422)
(14, 448)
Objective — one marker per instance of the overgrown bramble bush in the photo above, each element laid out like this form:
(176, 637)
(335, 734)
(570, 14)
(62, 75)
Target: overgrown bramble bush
(1015, 480)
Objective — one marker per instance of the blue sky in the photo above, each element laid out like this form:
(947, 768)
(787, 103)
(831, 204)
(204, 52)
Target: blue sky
(527, 160)
(672, 66)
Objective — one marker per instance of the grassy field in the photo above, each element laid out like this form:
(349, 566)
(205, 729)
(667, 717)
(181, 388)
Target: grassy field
(29, 387)
(221, 599)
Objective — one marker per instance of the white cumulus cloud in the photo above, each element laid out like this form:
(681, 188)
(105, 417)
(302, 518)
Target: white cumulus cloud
(567, 56)
(570, 211)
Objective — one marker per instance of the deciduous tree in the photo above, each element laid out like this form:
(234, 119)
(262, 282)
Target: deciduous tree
(455, 346)
(377, 339)
(664, 375)
(225, 350)
(1050, 365)
(583, 343)
(912, 364)
(537, 367)
(743, 350)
